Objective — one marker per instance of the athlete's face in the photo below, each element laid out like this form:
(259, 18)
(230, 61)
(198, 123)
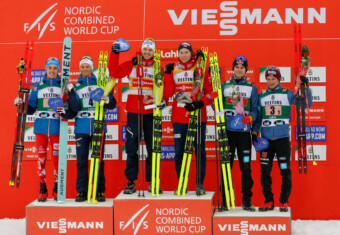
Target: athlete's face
(85, 70)
(184, 55)
(52, 71)
(239, 71)
(147, 53)
(272, 81)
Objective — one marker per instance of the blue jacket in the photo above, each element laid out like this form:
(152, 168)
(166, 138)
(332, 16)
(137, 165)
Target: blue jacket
(44, 125)
(253, 105)
(279, 131)
(85, 125)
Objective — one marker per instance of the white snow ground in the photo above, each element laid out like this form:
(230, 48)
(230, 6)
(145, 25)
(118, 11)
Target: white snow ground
(299, 227)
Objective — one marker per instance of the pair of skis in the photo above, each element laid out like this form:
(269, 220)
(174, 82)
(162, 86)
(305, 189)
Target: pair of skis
(99, 125)
(158, 86)
(191, 135)
(224, 153)
(25, 71)
(301, 66)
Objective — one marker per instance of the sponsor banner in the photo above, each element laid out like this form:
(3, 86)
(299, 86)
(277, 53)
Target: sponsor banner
(70, 133)
(210, 149)
(169, 54)
(30, 118)
(320, 152)
(37, 76)
(285, 74)
(316, 74)
(166, 114)
(252, 225)
(250, 74)
(125, 92)
(168, 152)
(173, 215)
(210, 133)
(112, 115)
(318, 93)
(144, 153)
(53, 218)
(167, 131)
(112, 132)
(319, 133)
(29, 135)
(210, 114)
(317, 113)
(111, 152)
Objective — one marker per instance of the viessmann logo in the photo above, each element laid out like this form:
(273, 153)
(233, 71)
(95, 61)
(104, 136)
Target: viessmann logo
(244, 227)
(62, 225)
(132, 223)
(78, 20)
(229, 15)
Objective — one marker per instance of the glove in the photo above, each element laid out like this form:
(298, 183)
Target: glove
(247, 119)
(106, 99)
(17, 101)
(304, 81)
(198, 54)
(194, 105)
(134, 61)
(169, 68)
(254, 137)
(70, 87)
(115, 48)
(161, 105)
(61, 110)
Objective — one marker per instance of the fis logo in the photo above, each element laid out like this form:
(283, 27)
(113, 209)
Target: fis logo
(48, 25)
(136, 226)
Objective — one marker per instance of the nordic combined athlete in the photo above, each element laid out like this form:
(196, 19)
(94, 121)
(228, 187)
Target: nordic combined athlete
(134, 100)
(83, 130)
(240, 138)
(179, 81)
(274, 105)
(47, 122)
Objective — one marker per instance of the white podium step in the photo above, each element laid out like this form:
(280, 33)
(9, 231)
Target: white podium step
(241, 222)
(166, 214)
(70, 217)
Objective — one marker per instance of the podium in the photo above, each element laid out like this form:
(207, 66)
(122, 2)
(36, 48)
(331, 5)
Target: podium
(69, 218)
(166, 214)
(239, 221)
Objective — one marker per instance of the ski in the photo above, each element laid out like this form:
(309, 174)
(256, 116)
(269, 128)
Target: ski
(224, 154)
(99, 127)
(62, 165)
(191, 133)
(301, 66)
(24, 70)
(158, 86)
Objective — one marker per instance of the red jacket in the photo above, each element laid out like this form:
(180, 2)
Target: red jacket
(182, 79)
(129, 70)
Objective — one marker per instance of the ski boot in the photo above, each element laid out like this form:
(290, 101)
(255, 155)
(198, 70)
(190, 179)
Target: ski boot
(43, 193)
(149, 189)
(200, 190)
(81, 197)
(55, 191)
(130, 188)
(267, 206)
(284, 207)
(247, 206)
(100, 197)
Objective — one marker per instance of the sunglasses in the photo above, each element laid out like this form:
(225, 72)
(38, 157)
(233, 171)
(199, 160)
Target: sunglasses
(53, 58)
(151, 39)
(241, 58)
(273, 68)
(86, 57)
